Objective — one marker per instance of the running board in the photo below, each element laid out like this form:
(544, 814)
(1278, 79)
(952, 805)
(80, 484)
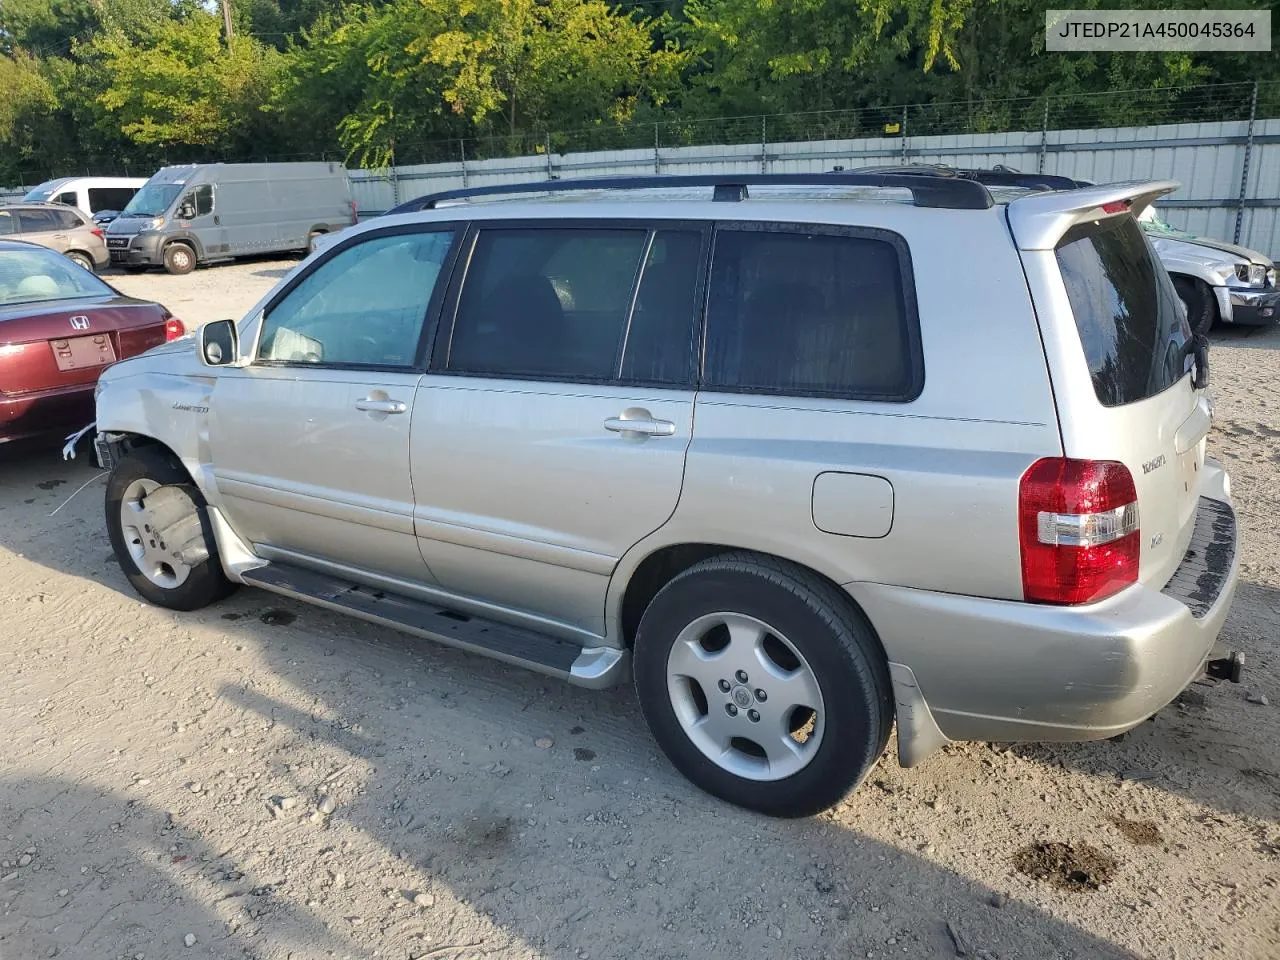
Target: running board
(594, 667)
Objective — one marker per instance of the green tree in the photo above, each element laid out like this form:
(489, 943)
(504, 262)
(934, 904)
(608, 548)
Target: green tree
(179, 85)
(416, 70)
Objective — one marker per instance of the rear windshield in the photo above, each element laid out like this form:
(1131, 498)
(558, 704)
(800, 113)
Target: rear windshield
(1130, 320)
(32, 276)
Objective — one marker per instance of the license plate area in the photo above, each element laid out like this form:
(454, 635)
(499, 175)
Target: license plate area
(77, 353)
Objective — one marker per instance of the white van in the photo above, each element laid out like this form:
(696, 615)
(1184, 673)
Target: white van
(90, 194)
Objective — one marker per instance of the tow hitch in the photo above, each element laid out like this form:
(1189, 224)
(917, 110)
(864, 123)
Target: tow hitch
(1226, 668)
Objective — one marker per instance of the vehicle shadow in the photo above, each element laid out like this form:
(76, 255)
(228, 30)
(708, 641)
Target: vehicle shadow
(1231, 336)
(546, 809)
(96, 873)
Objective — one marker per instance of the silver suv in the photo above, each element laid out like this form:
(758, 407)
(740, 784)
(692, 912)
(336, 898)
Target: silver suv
(801, 454)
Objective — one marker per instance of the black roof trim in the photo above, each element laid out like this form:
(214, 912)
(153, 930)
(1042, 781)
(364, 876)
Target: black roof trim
(927, 190)
(997, 176)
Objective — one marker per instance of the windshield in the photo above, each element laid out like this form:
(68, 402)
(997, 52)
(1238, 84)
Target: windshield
(1130, 321)
(31, 276)
(1151, 220)
(43, 192)
(152, 200)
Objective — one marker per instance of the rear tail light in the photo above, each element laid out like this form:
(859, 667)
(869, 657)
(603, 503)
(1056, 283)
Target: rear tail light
(1117, 206)
(355, 213)
(1079, 530)
(173, 329)
(97, 232)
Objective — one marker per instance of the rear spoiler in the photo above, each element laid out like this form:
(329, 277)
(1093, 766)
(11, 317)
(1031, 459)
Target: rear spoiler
(1039, 220)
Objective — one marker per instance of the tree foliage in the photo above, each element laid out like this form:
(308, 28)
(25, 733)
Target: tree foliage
(116, 84)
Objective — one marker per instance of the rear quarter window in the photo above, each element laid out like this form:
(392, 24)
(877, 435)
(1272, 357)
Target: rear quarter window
(1128, 315)
(799, 310)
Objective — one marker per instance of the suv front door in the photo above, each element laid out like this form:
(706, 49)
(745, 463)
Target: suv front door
(550, 433)
(310, 442)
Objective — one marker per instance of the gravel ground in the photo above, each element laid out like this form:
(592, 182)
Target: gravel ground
(264, 779)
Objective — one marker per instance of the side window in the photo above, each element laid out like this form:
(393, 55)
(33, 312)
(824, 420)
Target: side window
(67, 219)
(661, 338)
(109, 198)
(364, 306)
(36, 221)
(204, 199)
(546, 302)
(7, 225)
(809, 313)
(69, 198)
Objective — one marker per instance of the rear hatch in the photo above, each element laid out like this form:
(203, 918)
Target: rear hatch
(66, 344)
(1121, 355)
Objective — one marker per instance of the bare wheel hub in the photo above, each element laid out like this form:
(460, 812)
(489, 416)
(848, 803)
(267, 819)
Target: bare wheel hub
(745, 696)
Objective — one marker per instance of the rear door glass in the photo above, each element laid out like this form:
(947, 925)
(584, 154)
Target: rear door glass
(1130, 321)
(799, 310)
(37, 221)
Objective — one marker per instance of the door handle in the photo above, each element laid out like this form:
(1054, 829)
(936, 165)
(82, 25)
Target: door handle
(636, 423)
(217, 219)
(374, 405)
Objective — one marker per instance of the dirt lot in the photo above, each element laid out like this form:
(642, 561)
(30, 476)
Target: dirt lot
(264, 779)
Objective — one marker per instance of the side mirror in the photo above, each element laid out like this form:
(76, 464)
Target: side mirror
(219, 343)
(186, 212)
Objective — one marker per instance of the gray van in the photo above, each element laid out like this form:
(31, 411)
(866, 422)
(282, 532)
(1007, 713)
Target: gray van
(198, 213)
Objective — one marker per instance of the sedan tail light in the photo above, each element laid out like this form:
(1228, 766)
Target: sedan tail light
(173, 329)
(1079, 530)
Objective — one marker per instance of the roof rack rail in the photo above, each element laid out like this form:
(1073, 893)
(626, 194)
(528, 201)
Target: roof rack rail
(997, 176)
(927, 191)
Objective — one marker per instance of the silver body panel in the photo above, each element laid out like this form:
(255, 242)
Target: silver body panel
(510, 499)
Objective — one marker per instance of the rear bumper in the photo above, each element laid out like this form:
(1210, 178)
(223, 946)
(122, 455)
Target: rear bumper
(1005, 671)
(48, 411)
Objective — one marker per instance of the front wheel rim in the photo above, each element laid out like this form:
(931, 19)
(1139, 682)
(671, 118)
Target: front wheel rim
(745, 696)
(147, 547)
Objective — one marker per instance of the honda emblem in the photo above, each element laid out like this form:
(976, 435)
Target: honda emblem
(80, 323)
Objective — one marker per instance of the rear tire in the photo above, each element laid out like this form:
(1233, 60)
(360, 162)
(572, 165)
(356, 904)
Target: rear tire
(1202, 308)
(81, 259)
(179, 258)
(815, 709)
(154, 513)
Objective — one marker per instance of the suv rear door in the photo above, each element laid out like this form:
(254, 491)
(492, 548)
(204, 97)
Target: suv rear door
(550, 432)
(1121, 355)
(42, 226)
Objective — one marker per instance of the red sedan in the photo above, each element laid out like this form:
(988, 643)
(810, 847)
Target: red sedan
(59, 327)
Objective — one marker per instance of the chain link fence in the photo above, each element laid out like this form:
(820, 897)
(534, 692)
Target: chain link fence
(904, 122)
